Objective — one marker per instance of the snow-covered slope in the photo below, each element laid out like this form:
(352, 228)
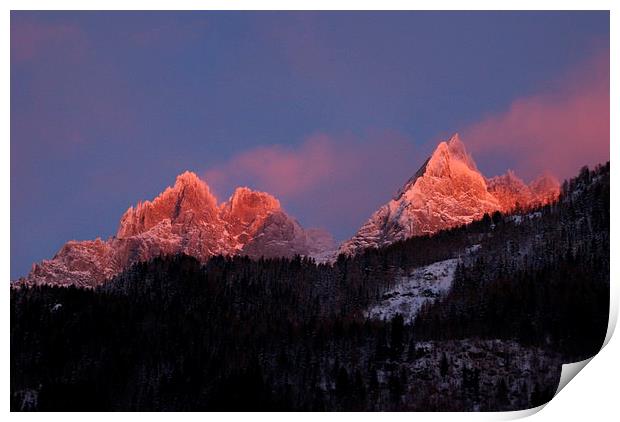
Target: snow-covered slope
(185, 218)
(422, 285)
(447, 191)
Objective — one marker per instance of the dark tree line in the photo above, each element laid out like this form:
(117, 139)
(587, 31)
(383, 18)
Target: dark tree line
(279, 334)
(547, 285)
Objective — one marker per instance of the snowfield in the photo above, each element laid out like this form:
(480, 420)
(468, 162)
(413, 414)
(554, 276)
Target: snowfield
(423, 284)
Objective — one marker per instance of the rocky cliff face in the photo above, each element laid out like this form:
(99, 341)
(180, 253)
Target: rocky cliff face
(447, 191)
(512, 193)
(185, 218)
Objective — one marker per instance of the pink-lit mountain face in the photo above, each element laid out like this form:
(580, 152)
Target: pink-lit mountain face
(512, 193)
(447, 191)
(185, 218)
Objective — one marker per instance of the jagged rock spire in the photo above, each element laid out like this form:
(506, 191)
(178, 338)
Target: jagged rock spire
(189, 195)
(447, 191)
(184, 218)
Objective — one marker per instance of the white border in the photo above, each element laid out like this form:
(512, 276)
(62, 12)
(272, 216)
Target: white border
(592, 395)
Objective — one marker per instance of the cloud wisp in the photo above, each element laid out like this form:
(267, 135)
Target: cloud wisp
(330, 181)
(559, 130)
(281, 170)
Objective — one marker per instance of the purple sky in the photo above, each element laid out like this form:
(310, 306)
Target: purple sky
(330, 112)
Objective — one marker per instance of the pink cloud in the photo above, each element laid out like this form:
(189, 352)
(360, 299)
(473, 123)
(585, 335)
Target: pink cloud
(30, 38)
(559, 130)
(327, 180)
(278, 169)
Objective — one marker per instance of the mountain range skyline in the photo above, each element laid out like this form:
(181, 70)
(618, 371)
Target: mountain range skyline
(322, 110)
(447, 191)
(360, 211)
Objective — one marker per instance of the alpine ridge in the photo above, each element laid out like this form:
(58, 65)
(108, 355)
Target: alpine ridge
(185, 218)
(447, 191)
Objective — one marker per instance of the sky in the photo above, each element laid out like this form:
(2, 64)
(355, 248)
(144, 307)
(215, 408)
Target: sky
(330, 112)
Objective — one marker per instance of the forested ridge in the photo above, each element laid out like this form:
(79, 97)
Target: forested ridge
(280, 334)
(548, 284)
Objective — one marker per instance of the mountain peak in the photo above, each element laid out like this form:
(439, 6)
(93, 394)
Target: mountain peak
(457, 150)
(189, 195)
(447, 191)
(184, 219)
(441, 162)
(510, 190)
(248, 207)
(251, 198)
(455, 141)
(450, 157)
(187, 185)
(188, 178)
(506, 178)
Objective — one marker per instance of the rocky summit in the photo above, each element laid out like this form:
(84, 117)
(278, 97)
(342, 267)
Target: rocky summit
(187, 219)
(447, 191)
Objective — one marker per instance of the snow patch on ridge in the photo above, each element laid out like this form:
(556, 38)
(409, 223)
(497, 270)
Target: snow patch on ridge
(422, 285)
